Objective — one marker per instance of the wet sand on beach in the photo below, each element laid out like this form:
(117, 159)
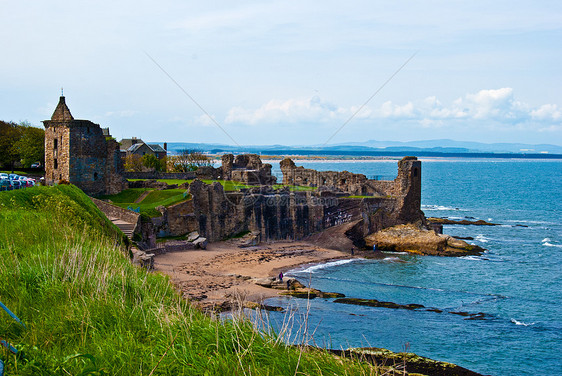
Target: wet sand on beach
(226, 273)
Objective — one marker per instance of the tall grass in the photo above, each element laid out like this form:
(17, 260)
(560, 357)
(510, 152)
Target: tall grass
(64, 270)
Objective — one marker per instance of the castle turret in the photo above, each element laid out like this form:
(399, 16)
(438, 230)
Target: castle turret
(78, 152)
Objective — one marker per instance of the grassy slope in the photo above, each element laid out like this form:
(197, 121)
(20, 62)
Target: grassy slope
(148, 205)
(231, 185)
(63, 271)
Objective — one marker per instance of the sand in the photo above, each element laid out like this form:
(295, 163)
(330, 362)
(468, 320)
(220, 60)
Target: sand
(224, 274)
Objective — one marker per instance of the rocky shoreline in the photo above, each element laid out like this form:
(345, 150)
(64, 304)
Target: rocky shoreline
(416, 239)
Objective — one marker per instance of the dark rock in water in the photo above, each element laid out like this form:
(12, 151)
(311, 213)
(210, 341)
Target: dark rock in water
(405, 363)
(463, 237)
(461, 313)
(447, 221)
(518, 225)
(473, 316)
(264, 307)
(305, 294)
(377, 303)
(437, 310)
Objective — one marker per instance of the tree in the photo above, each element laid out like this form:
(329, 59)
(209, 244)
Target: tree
(190, 160)
(21, 143)
(133, 163)
(31, 145)
(152, 162)
(9, 135)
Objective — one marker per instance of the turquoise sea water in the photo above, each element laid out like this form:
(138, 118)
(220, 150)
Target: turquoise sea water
(517, 282)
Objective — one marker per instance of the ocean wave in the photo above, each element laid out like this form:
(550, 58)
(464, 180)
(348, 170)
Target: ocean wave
(473, 258)
(521, 322)
(547, 243)
(529, 221)
(481, 238)
(440, 207)
(315, 268)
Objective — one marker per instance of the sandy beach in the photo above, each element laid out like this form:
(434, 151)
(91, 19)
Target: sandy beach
(224, 273)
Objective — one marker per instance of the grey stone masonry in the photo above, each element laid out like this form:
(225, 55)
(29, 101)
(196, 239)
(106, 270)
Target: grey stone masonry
(78, 152)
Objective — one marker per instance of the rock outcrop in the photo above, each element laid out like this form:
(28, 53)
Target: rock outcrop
(464, 222)
(414, 238)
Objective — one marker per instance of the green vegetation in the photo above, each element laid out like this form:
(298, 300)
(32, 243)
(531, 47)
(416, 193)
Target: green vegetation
(21, 143)
(189, 160)
(88, 311)
(126, 196)
(230, 185)
(294, 188)
(227, 184)
(149, 204)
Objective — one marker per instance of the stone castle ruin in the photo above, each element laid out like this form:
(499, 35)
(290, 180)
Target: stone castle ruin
(282, 214)
(247, 169)
(78, 152)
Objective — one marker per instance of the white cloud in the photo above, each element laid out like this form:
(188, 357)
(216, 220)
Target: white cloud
(121, 114)
(491, 107)
(389, 110)
(547, 112)
(204, 120)
(291, 111)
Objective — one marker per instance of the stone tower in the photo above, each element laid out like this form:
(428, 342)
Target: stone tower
(408, 189)
(77, 151)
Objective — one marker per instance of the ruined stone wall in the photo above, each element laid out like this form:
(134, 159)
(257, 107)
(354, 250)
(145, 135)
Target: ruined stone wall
(57, 141)
(247, 169)
(405, 188)
(112, 211)
(276, 215)
(343, 181)
(88, 157)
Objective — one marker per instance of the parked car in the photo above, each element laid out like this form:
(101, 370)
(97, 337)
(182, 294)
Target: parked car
(36, 165)
(5, 185)
(3, 175)
(29, 182)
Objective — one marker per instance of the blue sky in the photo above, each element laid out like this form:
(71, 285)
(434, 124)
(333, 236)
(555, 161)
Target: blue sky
(289, 72)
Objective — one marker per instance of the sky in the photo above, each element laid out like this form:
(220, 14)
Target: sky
(289, 72)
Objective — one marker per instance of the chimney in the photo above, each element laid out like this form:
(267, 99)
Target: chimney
(166, 146)
(133, 141)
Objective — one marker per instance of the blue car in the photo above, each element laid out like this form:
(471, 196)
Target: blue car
(5, 185)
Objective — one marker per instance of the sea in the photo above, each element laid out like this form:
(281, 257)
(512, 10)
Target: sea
(516, 283)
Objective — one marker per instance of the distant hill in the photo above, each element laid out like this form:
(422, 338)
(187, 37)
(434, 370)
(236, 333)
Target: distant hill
(469, 146)
(392, 148)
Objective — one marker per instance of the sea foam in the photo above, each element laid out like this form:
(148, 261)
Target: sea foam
(440, 207)
(521, 322)
(315, 268)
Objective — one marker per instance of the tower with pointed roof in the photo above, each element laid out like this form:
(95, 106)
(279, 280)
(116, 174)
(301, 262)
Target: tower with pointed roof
(78, 152)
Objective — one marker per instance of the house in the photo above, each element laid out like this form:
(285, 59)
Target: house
(136, 146)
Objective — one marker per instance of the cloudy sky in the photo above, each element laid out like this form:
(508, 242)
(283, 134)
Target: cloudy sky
(289, 72)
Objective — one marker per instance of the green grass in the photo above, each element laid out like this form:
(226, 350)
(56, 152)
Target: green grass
(88, 311)
(231, 185)
(148, 205)
(126, 196)
(294, 188)
(227, 184)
